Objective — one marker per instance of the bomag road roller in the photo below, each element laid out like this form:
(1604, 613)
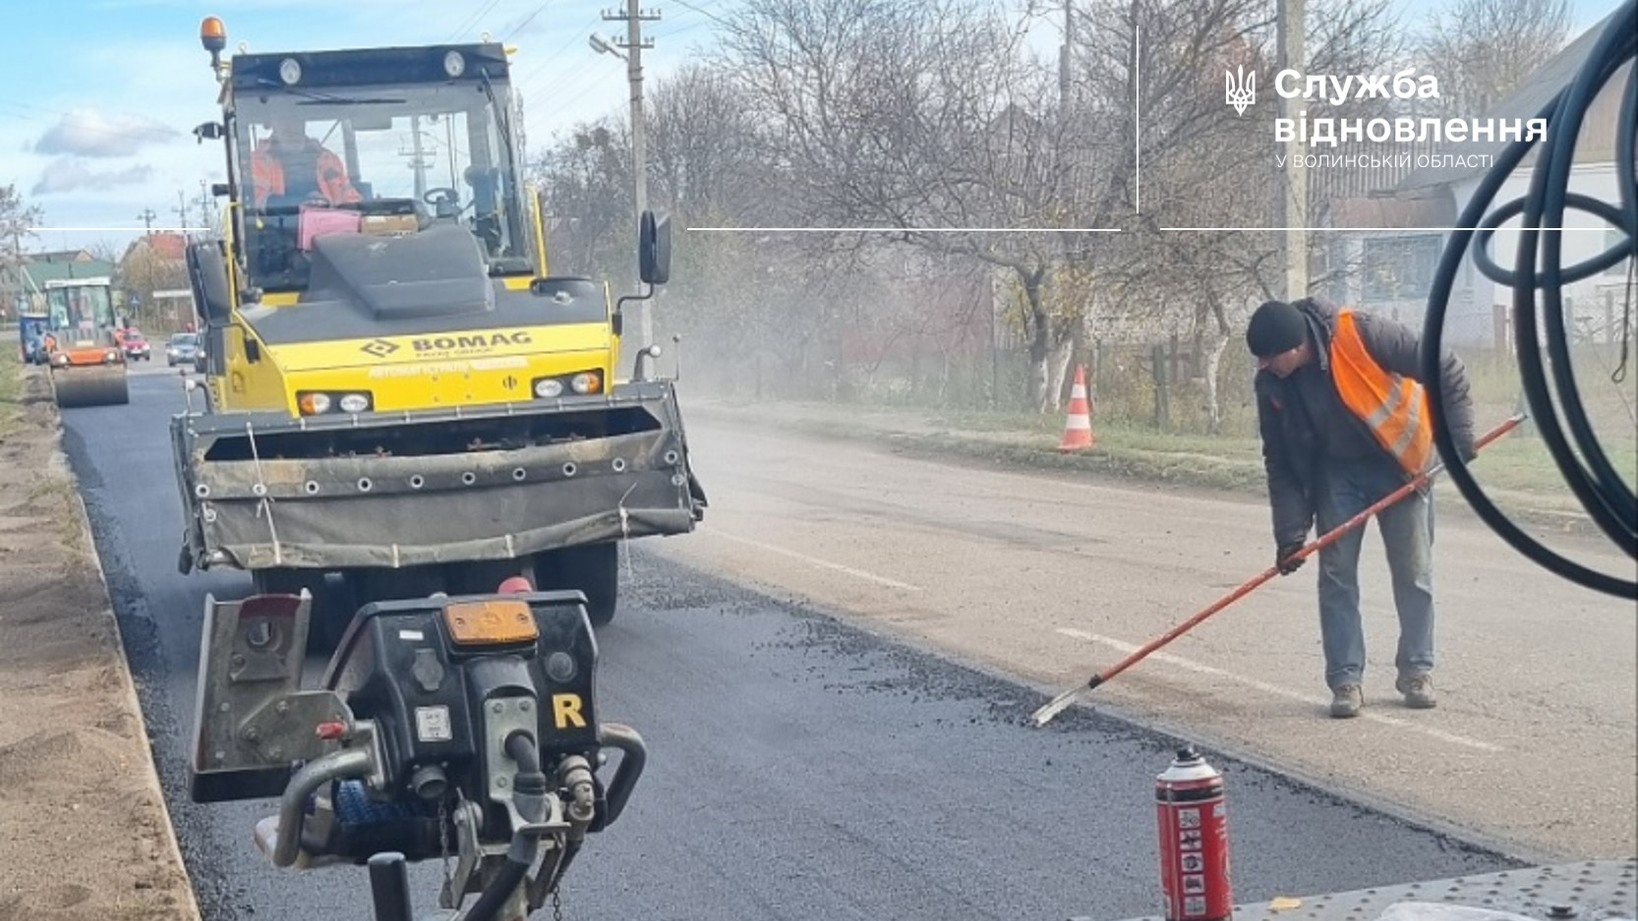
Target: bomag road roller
(86, 360)
(398, 399)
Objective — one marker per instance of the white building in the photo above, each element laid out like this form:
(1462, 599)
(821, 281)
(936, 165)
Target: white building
(1393, 271)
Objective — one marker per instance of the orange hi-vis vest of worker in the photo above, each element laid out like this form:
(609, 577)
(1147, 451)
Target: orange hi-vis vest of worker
(1393, 406)
(330, 175)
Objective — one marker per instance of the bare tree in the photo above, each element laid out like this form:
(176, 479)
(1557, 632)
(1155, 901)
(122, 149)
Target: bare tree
(16, 222)
(142, 271)
(745, 303)
(705, 155)
(1203, 165)
(585, 179)
(927, 118)
(1481, 50)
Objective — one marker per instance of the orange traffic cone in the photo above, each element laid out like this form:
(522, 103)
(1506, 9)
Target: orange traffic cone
(1078, 429)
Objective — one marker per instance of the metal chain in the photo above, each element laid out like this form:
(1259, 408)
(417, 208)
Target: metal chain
(557, 906)
(443, 847)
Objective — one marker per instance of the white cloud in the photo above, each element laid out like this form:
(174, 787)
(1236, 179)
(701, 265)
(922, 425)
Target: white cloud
(67, 174)
(90, 133)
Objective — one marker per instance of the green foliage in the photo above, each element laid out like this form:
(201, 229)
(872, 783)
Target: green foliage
(11, 387)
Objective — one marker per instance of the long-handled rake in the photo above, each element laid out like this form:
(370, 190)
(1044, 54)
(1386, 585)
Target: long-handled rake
(1062, 702)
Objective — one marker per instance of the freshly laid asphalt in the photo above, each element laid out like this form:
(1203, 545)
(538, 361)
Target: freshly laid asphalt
(800, 768)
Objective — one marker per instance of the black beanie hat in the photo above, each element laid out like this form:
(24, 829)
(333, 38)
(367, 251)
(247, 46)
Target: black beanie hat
(1275, 327)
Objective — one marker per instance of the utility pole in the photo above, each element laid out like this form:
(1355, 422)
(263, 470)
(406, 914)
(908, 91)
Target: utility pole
(147, 218)
(1294, 201)
(20, 296)
(181, 209)
(634, 44)
(418, 160)
(206, 209)
(1063, 56)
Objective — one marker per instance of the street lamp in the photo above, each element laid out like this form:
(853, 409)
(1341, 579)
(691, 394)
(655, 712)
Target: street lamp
(634, 73)
(601, 45)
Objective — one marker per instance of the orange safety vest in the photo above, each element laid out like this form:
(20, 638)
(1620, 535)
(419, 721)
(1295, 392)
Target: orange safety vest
(1393, 406)
(267, 177)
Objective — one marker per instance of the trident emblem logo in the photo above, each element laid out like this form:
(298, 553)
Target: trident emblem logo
(1241, 93)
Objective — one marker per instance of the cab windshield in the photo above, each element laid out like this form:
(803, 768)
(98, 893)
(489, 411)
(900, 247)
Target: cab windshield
(79, 313)
(383, 158)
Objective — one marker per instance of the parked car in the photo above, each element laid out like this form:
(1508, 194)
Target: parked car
(135, 345)
(183, 349)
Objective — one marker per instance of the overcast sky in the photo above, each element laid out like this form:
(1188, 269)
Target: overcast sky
(98, 97)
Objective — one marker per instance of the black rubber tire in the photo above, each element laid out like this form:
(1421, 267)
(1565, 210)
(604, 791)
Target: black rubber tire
(593, 569)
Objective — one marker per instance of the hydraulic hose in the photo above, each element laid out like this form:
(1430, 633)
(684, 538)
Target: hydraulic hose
(1538, 278)
(634, 755)
(529, 792)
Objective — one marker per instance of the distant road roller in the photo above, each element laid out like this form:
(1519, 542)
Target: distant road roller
(86, 360)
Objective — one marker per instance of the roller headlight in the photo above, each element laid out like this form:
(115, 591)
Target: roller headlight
(548, 387)
(290, 71)
(454, 64)
(319, 402)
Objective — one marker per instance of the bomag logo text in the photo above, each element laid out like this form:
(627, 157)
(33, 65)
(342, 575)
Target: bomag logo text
(479, 341)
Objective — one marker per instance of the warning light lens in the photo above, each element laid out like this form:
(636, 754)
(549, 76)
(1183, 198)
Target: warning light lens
(313, 403)
(587, 382)
(213, 35)
(490, 623)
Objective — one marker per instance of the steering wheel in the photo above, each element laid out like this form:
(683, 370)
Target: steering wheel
(445, 201)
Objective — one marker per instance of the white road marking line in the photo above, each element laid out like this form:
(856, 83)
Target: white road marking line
(1277, 691)
(814, 561)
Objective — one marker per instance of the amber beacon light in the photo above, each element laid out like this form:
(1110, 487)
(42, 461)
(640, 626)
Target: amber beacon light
(213, 35)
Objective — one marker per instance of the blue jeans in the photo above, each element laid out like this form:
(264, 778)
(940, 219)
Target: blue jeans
(1407, 535)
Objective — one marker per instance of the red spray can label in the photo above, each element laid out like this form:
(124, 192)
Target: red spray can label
(1194, 847)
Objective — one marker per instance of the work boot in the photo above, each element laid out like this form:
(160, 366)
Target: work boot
(1418, 691)
(1346, 700)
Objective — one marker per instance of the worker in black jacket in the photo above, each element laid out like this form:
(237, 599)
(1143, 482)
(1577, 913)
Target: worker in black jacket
(1344, 422)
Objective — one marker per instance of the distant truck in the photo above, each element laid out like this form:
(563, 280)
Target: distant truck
(31, 330)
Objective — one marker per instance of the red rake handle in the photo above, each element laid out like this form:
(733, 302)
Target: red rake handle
(1324, 540)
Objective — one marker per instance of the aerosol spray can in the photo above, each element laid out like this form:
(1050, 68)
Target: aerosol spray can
(1194, 846)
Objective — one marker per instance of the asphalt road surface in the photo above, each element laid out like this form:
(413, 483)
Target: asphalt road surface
(1534, 745)
(801, 767)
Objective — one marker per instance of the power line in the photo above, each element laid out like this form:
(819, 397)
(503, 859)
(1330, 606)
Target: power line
(470, 21)
(557, 54)
(706, 13)
(531, 18)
